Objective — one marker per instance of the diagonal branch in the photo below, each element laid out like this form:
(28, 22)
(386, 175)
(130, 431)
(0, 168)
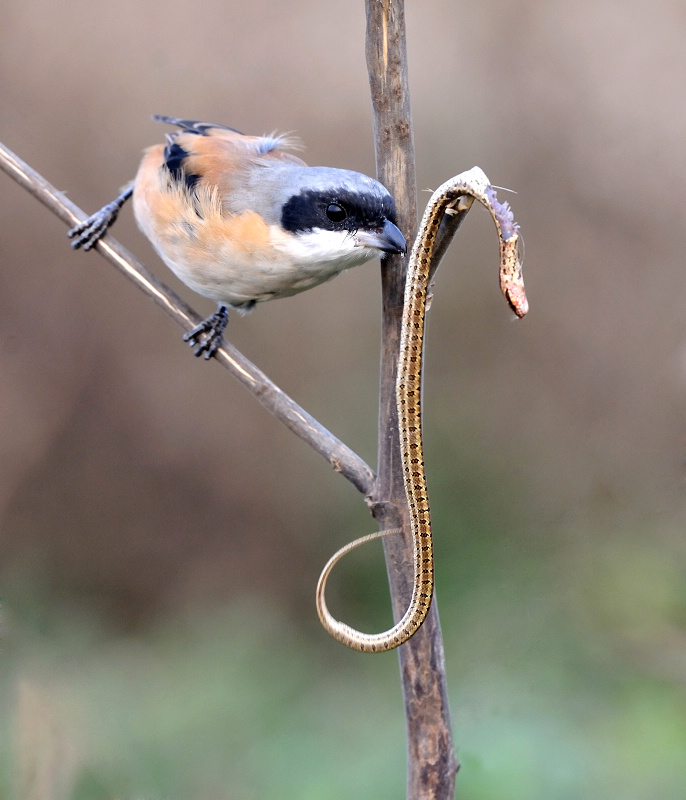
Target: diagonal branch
(340, 457)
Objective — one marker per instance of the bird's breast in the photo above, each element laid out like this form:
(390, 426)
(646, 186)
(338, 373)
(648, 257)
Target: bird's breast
(234, 258)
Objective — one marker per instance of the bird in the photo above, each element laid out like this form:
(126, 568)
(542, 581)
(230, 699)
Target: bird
(241, 219)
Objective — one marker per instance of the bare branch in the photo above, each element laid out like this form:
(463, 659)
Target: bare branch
(432, 765)
(340, 457)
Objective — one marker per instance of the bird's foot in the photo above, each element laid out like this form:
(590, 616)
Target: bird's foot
(207, 337)
(89, 232)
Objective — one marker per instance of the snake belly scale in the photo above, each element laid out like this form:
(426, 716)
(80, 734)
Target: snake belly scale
(454, 195)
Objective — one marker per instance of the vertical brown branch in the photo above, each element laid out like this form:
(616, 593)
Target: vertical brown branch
(432, 765)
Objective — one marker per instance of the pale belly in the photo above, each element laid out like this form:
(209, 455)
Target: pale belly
(229, 276)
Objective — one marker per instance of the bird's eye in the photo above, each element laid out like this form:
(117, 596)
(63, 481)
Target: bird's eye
(336, 212)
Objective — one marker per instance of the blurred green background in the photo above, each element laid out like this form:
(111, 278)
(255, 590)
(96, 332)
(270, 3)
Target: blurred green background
(161, 535)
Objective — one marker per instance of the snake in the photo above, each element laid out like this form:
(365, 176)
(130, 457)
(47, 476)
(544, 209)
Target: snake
(455, 196)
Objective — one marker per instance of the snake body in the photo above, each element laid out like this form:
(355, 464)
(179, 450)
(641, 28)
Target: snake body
(455, 195)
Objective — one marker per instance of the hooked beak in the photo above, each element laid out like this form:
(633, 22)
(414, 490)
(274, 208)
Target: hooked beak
(387, 239)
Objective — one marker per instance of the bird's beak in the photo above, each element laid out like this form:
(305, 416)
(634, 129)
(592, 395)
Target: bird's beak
(387, 239)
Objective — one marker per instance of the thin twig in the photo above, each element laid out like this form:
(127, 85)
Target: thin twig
(340, 457)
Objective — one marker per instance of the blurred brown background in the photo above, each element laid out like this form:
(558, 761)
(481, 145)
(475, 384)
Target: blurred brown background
(136, 481)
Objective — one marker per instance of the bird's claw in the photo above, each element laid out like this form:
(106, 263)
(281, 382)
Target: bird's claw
(89, 232)
(207, 337)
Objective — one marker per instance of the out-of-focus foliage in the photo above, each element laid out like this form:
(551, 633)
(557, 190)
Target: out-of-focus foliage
(161, 537)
